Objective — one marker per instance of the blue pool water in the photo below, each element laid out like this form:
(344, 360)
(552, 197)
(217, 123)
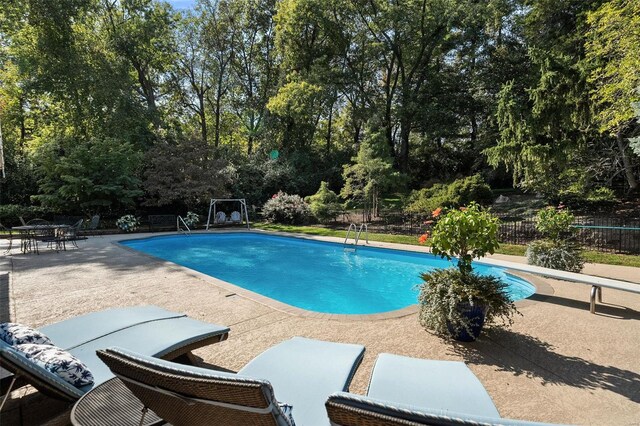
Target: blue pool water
(314, 275)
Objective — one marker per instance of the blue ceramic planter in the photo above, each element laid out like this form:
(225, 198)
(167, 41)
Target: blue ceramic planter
(476, 315)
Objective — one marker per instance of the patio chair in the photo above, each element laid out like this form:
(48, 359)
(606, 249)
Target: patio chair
(299, 372)
(235, 217)
(9, 235)
(71, 233)
(148, 330)
(409, 391)
(221, 217)
(92, 226)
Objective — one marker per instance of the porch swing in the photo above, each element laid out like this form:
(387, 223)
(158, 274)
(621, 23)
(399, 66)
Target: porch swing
(220, 217)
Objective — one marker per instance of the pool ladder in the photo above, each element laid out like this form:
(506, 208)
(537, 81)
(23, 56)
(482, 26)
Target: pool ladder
(182, 226)
(356, 233)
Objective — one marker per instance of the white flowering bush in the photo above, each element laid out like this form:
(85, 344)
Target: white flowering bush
(191, 219)
(128, 223)
(285, 208)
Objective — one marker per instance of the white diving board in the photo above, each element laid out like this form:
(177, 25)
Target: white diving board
(596, 283)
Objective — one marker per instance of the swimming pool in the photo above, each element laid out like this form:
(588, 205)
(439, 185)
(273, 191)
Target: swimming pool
(313, 275)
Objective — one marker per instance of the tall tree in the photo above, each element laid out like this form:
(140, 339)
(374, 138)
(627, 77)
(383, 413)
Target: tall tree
(192, 69)
(255, 64)
(613, 51)
(141, 31)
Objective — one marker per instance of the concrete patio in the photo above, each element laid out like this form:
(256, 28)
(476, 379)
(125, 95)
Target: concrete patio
(558, 363)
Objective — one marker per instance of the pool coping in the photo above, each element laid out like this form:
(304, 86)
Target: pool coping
(543, 289)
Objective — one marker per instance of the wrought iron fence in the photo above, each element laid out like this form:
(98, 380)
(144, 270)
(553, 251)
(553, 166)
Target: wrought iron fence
(605, 234)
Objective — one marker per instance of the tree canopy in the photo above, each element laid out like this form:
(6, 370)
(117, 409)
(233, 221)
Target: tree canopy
(109, 105)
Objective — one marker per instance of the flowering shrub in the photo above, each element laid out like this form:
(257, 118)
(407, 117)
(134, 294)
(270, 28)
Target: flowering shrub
(191, 219)
(128, 223)
(285, 208)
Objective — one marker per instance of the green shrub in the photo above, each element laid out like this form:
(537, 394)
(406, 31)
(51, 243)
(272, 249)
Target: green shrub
(602, 196)
(445, 291)
(561, 255)
(285, 208)
(324, 204)
(10, 213)
(467, 233)
(555, 224)
(456, 194)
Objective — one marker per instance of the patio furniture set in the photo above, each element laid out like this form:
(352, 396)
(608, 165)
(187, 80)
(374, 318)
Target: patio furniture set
(55, 235)
(143, 374)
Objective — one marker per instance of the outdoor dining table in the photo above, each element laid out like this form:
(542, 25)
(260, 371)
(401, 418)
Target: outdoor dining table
(29, 235)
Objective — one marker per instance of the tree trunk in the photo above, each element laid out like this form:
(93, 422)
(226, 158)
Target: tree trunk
(628, 168)
(357, 129)
(403, 155)
(203, 119)
(217, 120)
(251, 131)
(329, 125)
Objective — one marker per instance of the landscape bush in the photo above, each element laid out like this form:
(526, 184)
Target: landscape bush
(10, 213)
(556, 250)
(324, 204)
(561, 255)
(456, 194)
(286, 209)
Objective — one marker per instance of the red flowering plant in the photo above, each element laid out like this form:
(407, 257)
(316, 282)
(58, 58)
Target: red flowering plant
(429, 223)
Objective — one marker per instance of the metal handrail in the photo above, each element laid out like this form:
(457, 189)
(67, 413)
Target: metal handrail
(366, 233)
(357, 232)
(186, 230)
(355, 229)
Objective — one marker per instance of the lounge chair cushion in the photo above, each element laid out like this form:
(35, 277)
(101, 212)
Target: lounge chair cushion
(304, 372)
(79, 330)
(344, 408)
(155, 339)
(148, 329)
(18, 334)
(439, 385)
(59, 362)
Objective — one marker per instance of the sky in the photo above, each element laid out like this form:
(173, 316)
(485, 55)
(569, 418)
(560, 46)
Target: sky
(182, 4)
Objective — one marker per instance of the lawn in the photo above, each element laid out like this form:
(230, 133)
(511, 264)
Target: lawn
(509, 249)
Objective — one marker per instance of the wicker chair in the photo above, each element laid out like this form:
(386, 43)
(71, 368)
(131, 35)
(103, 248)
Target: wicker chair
(302, 371)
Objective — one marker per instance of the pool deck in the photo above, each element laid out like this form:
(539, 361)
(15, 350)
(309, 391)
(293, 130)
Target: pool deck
(558, 363)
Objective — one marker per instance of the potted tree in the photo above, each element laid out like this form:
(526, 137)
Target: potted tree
(456, 302)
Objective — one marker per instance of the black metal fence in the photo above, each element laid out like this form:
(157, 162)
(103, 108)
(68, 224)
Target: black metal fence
(605, 234)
